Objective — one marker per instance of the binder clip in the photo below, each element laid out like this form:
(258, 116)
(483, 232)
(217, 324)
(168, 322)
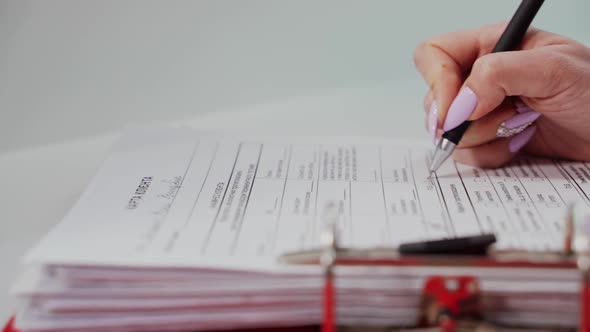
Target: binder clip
(451, 303)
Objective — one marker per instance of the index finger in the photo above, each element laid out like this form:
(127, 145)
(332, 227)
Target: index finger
(443, 62)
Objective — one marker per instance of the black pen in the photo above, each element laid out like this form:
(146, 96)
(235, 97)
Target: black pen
(509, 41)
(467, 245)
(475, 245)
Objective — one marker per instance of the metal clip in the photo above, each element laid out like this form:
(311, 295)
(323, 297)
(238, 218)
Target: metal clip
(329, 243)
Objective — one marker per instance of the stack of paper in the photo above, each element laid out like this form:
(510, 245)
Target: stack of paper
(181, 231)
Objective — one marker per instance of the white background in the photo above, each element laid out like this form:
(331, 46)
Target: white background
(73, 73)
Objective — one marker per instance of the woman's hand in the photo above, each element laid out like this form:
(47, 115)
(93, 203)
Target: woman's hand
(536, 99)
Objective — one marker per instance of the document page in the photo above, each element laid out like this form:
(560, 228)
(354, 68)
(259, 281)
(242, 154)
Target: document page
(177, 197)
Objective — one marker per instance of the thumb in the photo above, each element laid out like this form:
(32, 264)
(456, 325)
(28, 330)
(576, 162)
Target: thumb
(535, 73)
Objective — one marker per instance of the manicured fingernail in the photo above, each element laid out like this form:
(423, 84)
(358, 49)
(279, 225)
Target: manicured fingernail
(521, 119)
(522, 107)
(461, 108)
(520, 140)
(517, 124)
(433, 121)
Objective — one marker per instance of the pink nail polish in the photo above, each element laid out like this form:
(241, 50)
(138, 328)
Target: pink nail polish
(461, 108)
(521, 107)
(521, 119)
(433, 121)
(520, 140)
(524, 109)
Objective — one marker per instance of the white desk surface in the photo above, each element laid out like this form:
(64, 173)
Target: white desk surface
(40, 184)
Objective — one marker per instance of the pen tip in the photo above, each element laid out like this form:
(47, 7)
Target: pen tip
(434, 163)
(443, 151)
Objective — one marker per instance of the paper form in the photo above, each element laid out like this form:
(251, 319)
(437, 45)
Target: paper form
(175, 197)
